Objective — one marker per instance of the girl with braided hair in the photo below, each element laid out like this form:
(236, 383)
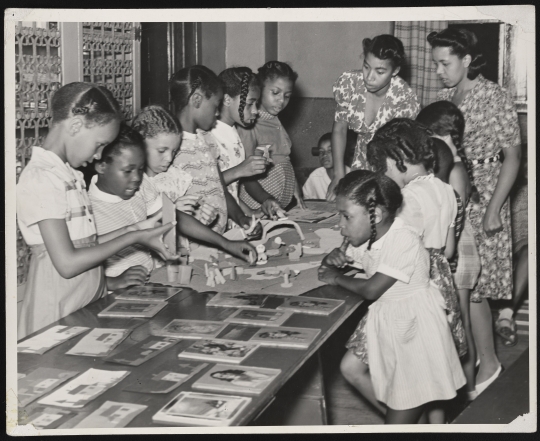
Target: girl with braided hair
(272, 191)
(241, 92)
(197, 94)
(403, 150)
(55, 214)
(401, 356)
(448, 124)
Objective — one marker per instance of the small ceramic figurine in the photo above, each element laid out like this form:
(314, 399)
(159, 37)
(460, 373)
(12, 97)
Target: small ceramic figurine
(262, 258)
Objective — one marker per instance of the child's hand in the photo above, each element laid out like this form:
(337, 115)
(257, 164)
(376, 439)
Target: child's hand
(272, 209)
(328, 275)
(187, 203)
(206, 214)
(301, 204)
(151, 222)
(337, 257)
(153, 239)
(254, 165)
(242, 249)
(136, 275)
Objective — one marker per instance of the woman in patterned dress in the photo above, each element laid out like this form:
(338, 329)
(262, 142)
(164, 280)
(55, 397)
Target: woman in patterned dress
(367, 99)
(491, 128)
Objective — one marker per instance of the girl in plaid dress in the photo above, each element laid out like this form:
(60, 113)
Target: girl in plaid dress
(272, 191)
(55, 214)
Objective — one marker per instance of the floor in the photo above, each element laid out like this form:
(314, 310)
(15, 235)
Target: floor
(347, 407)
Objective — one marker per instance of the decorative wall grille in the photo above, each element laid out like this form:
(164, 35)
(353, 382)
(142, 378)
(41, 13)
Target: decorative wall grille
(108, 59)
(38, 76)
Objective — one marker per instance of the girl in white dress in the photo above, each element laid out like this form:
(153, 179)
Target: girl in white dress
(401, 356)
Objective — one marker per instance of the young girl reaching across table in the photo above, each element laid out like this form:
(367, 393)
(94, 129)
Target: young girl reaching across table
(447, 123)
(162, 135)
(369, 98)
(197, 93)
(273, 191)
(401, 356)
(55, 214)
(241, 92)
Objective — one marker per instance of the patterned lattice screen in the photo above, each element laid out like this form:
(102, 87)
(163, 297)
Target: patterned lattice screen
(38, 75)
(108, 59)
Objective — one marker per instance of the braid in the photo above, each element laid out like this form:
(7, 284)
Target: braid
(244, 90)
(372, 204)
(194, 85)
(154, 120)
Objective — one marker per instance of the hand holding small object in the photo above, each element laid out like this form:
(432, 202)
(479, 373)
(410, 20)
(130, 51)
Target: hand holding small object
(337, 257)
(206, 214)
(253, 165)
(272, 209)
(328, 274)
(187, 203)
(136, 275)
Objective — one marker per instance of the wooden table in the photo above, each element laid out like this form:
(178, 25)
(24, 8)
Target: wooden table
(188, 304)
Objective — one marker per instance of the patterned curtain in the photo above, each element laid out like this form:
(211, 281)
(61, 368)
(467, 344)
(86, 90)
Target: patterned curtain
(419, 71)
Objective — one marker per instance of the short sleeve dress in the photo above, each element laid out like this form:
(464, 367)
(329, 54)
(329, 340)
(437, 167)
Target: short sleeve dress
(410, 352)
(491, 126)
(49, 188)
(198, 156)
(430, 207)
(279, 179)
(350, 96)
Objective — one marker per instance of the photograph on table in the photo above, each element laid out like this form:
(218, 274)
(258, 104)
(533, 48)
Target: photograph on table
(310, 305)
(40, 382)
(45, 417)
(238, 332)
(244, 380)
(219, 350)
(131, 309)
(167, 377)
(266, 317)
(83, 389)
(191, 329)
(137, 354)
(147, 292)
(230, 299)
(99, 342)
(41, 343)
(300, 338)
(112, 415)
(201, 409)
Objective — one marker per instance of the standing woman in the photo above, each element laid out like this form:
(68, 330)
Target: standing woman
(491, 129)
(367, 99)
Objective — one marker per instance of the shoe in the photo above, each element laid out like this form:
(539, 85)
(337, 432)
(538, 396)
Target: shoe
(505, 327)
(484, 385)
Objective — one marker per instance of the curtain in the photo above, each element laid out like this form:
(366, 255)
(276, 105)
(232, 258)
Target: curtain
(419, 71)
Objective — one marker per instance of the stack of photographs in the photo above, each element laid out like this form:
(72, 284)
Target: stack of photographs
(227, 351)
(230, 299)
(265, 317)
(83, 389)
(100, 342)
(41, 343)
(310, 305)
(244, 380)
(147, 293)
(200, 409)
(192, 329)
(133, 309)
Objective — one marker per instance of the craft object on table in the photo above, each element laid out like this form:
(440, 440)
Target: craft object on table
(218, 276)
(282, 225)
(295, 251)
(262, 258)
(276, 243)
(169, 215)
(286, 282)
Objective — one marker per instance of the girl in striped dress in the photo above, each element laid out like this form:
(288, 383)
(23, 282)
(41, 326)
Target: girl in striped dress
(401, 357)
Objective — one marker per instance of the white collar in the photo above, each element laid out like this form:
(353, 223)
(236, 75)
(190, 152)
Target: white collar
(95, 192)
(188, 135)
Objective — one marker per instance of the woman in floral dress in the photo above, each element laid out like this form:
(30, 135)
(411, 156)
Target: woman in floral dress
(491, 132)
(367, 99)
